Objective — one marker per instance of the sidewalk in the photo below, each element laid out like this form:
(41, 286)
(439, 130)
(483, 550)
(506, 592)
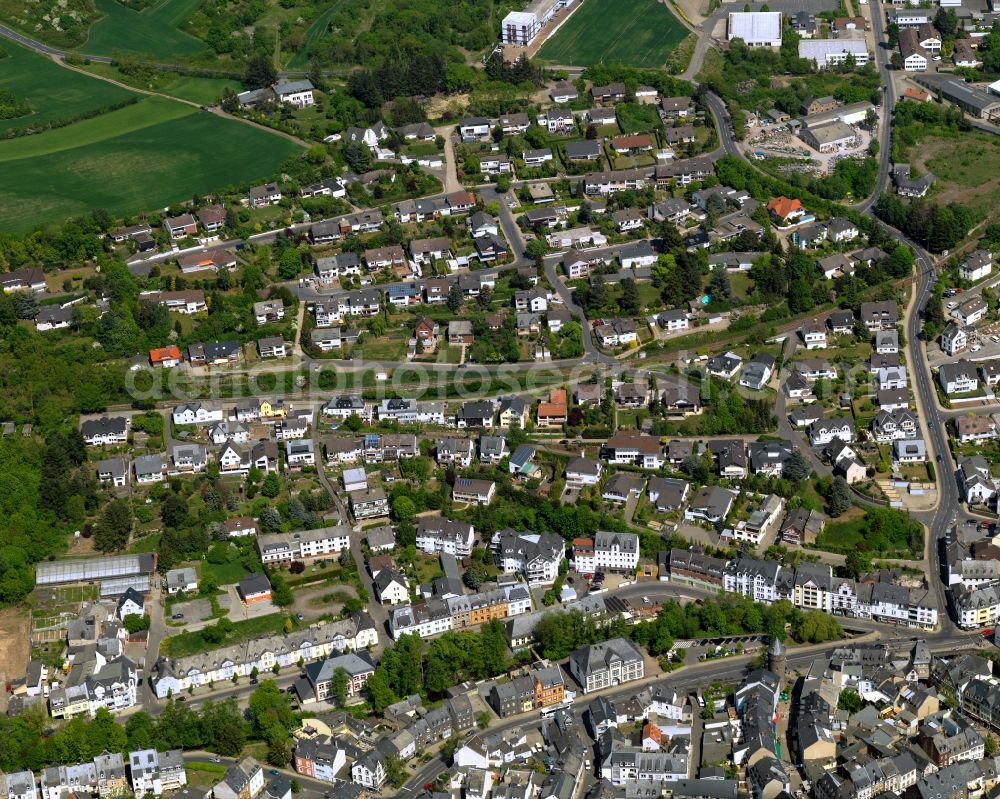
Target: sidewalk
(918, 401)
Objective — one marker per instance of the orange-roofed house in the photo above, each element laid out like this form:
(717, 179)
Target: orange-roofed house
(165, 356)
(652, 737)
(584, 556)
(785, 210)
(553, 413)
(916, 94)
(640, 142)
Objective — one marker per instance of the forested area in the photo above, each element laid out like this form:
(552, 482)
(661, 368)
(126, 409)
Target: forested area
(429, 668)
(220, 727)
(934, 225)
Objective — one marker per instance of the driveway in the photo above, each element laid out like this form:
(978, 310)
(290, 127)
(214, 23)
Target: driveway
(451, 181)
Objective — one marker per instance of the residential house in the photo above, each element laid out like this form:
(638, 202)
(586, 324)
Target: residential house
(757, 372)
(711, 504)
(825, 431)
(262, 196)
(971, 311)
(953, 339)
(976, 266)
(958, 378)
(470, 490)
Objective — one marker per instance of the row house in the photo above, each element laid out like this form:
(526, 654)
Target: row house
(172, 676)
(541, 687)
(813, 586)
(604, 183)
(439, 615)
(606, 551)
(281, 548)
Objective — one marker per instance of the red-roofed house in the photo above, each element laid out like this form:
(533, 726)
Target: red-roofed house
(640, 142)
(165, 356)
(554, 412)
(916, 94)
(785, 210)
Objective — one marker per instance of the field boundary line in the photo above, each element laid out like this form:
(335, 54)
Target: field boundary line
(191, 103)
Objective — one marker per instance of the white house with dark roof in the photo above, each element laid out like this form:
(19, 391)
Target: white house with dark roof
(824, 431)
(606, 664)
(958, 378)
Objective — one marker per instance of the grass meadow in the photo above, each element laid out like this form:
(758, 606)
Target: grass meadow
(638, 33)
(154, 31)
(53, 92)
(146, 155)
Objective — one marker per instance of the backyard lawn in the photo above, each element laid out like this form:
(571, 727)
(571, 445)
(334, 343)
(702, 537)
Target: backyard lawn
(383, 348)
(191, 643)
(225, 573)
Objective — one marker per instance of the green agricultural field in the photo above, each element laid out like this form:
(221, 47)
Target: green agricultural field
(147, 155)
(638, 33)
(51, 91)
(205, 91)
(155, 31)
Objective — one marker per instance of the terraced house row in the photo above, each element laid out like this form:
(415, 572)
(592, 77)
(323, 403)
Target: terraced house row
(810, 586)
(171, 676)
(440, 614)
(146, 772)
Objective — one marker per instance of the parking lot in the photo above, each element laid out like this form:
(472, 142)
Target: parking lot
(196, 610)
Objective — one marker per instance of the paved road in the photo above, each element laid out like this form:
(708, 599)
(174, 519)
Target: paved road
(44, 49)
(688, 679)
(948, 509)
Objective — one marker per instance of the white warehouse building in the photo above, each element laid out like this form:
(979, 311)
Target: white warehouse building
(833, 52)
(520, 27)
(755, 28)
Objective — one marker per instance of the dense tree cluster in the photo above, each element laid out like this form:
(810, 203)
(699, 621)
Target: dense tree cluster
(47, 492)
(558, 634)
(937, 227)
(29, 743)
(414, 666)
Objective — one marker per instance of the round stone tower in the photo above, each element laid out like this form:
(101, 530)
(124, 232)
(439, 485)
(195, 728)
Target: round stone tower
(776, 658)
